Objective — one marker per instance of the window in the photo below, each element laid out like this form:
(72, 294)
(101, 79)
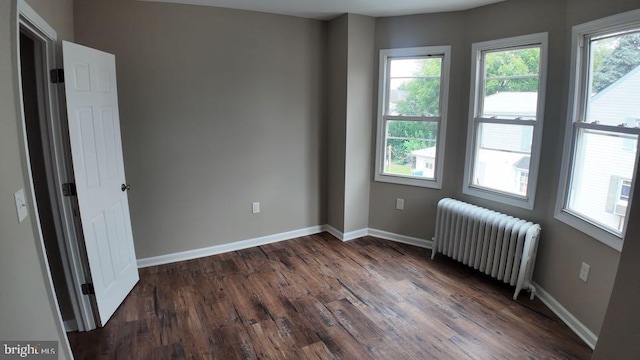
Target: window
(505, 121)
(412, 103)
(601, 138)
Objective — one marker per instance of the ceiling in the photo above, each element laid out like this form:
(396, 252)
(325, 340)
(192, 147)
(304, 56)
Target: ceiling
(328, 9)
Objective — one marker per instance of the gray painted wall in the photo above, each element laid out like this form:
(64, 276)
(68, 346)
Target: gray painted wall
(360, 60)
(26, 309)
(337, 119)
(350, 101)
(562, 248)
(621, 328)
(218, 108)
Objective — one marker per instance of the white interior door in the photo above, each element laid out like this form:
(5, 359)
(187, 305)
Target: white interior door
(96, 149)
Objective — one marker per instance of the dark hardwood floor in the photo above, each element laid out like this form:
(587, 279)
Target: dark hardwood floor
(316, 297)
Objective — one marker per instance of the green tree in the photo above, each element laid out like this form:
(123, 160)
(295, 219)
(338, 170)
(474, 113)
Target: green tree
(422, 93)
(608, 68)
(513, 70)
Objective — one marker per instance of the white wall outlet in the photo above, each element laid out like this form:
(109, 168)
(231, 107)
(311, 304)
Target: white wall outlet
(584, 272)
(21, 205)
(255, 207)
(399, 204)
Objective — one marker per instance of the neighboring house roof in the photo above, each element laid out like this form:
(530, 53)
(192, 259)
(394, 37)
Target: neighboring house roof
(511, 104)
(617, 103)
(522, 163)
(427, 152)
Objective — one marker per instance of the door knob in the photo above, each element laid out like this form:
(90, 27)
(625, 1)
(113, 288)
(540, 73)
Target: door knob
(125, 187)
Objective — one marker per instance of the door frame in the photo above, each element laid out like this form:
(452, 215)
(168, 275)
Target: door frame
(58, 169)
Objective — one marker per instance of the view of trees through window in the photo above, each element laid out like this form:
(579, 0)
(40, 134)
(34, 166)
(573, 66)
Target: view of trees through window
(613, 58)
(509, 90)
(414, 92)
(512, 71)
(405, 137)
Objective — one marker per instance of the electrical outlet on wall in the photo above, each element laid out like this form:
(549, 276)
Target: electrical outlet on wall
(584, 272)
(400, 204)
(255, 207)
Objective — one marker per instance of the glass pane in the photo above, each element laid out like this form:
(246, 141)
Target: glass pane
(410, 148)
(602, 176)
(414, 86)
(502, 158)
(511, 83)
(614, 81)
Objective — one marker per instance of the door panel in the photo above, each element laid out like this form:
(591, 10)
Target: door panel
(96, 148)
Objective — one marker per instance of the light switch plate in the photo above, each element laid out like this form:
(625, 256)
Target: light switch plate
(584, 272)
(255, 208)
(21, 205)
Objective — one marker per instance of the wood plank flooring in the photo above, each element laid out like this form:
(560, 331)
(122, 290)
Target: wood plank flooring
(316, 297)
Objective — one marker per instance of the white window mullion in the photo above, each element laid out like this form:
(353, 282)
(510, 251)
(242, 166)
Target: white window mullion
(412, 118)
(506, 121)
(607, 128)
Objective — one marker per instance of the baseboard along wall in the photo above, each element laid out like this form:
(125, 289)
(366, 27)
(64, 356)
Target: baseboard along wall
(567, 317)
(234, 246)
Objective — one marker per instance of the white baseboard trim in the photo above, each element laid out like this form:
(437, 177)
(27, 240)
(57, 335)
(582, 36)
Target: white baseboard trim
(571, 321)
(333, 231)
(263, 240)
(351, 235)
(70, 325)
(234, 246)
(423, 243)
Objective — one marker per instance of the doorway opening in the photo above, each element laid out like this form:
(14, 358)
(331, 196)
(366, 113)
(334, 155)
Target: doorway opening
(81, 210)
(32, 95)
(47, 159)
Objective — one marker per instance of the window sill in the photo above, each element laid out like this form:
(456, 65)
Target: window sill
(402, 180)
(499, 197)
(594, 231)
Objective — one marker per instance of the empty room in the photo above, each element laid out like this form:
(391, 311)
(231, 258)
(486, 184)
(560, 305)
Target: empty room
(298, 179)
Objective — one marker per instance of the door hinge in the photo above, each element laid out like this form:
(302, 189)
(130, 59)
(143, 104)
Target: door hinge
(69, 189)
(57, 76)
(87, 289)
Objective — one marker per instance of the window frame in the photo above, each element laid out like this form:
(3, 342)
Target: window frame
(383, 81)
(476, 102)
(577, 105)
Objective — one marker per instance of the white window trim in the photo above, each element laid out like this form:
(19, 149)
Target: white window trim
(619, 22)
(528, 201)
(442, 126)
